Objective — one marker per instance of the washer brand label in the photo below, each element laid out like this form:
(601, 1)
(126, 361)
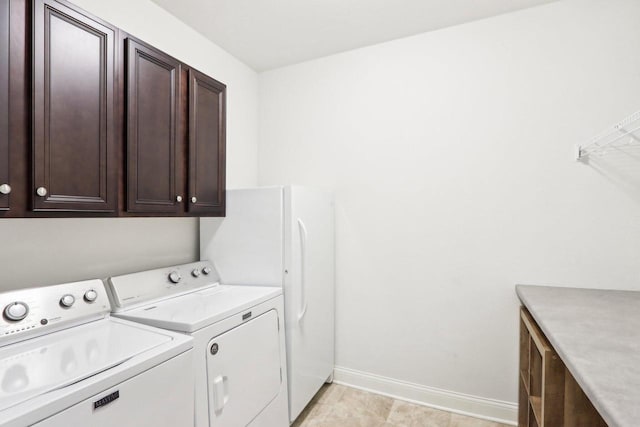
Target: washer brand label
(246, 316)
(106, 400)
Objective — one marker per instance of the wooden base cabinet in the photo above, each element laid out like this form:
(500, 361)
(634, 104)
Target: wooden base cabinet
(548, 394)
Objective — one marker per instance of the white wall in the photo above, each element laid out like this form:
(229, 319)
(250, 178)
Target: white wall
(450, 157)
(47, 251)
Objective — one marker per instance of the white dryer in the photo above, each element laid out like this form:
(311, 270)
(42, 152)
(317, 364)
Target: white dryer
(239, 347)
(65, 362)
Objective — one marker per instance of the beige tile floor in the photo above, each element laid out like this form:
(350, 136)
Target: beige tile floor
(339, 406)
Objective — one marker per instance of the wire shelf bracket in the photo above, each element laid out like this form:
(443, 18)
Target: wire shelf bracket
(622, 134)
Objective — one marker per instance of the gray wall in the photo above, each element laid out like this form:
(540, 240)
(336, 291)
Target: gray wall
(37, 252)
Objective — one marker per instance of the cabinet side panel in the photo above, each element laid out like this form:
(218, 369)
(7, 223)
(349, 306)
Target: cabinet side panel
(579, 411)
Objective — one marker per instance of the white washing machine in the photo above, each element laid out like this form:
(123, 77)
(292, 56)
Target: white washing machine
(239, 347)
(65, 362)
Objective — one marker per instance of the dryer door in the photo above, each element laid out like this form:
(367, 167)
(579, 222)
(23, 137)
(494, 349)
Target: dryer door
(243, 371)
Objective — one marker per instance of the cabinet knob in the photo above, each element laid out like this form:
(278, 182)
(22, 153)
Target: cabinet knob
(194, 199)
(41, 191)
(5, 189)
(178, 199)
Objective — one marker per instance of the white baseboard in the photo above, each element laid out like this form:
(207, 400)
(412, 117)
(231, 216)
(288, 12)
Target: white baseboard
(474, 406)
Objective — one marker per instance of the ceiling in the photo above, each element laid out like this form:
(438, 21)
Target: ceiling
(268, 34)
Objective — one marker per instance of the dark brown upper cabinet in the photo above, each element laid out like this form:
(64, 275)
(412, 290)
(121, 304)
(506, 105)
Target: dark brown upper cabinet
(94, 122)
(74, 134)
(5, 186)
(207, 133)
(154, 176)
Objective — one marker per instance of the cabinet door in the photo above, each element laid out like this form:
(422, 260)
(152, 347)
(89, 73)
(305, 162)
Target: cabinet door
(5, 187)
(74, 166)
(207, 104)
(153, 91)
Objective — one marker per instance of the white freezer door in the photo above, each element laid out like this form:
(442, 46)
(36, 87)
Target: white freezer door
(243, 371)
(309, 293)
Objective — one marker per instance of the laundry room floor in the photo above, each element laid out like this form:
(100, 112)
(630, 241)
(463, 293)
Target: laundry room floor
(340, 406)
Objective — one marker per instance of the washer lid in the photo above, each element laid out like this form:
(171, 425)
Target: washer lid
(190, 312)
(54, 361)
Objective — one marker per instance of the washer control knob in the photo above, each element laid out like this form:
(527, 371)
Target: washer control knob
(195, 272)
(206, 271)
(16, 311)
(174, 277)
(67, 300)
(90, 296)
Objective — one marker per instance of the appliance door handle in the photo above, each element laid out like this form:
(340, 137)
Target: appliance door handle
(220, 393)
(303, 270)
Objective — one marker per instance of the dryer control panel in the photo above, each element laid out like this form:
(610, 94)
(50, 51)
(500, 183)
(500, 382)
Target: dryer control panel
(134, 290)
(36, 311)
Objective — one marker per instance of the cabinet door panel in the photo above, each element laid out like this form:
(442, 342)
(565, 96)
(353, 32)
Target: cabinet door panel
(73, 111)
(4, 104)
(207, 115)
(153, 90)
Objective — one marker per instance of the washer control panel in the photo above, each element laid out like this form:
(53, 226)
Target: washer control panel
(137, 289)
(36, 311)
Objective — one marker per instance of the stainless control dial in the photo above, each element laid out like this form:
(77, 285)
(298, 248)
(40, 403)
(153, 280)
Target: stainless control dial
(16, 311)
(206, 270)
(67, 300)
(195, 272)
(174, 277)
(90, 296)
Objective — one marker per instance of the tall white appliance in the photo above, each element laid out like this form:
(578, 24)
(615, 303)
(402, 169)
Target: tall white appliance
(284, 236)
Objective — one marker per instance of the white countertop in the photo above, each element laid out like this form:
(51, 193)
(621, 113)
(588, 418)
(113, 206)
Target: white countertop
(596, 333)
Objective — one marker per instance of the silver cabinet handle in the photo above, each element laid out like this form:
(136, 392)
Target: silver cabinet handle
(5, 189)
(41, 191)
(194, 199)
(178, 199)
